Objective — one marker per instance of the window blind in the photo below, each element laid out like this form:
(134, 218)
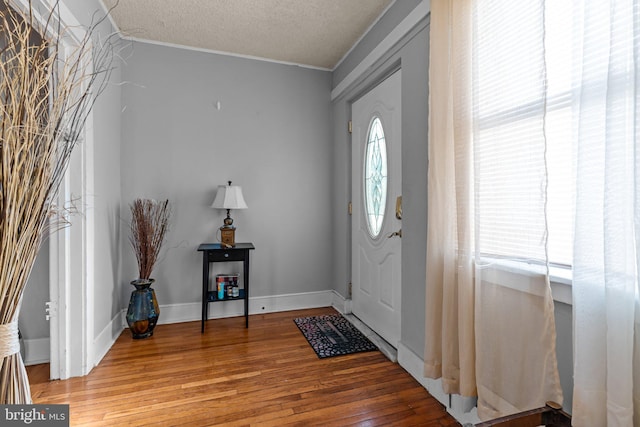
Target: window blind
(523, 167)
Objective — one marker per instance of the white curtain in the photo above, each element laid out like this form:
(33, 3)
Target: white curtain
(607, 222)
(489, 312)
(450, 337)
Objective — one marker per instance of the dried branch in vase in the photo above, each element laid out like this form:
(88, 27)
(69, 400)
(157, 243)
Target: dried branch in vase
(149, 225)
(48, 86)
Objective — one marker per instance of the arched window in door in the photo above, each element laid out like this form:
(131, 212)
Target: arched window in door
(375, 177)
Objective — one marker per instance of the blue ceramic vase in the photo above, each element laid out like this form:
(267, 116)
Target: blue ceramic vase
(143, 311)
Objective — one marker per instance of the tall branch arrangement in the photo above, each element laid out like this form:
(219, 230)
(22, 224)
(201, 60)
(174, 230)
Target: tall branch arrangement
(48, 86)
(149, 225)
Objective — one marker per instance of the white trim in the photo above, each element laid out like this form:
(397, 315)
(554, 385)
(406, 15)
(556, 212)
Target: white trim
(561, 292)
(58, 278)
(220, 52)
(77, 348)
(560, 278)
(561, 281)
(107, 337)
(36, 351)
(105, 10)
(286, 302)
(68, 19)
(190, 312)
(71, 351)
(58, 269)
(364, 34)
(88, 242)
(417, 14)
(461, 408)
(61, 12)
(341, 304)
(61, 275)
(413, 364)
(78, 321)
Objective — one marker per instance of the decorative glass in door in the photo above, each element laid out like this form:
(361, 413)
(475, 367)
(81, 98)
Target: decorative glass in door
(375, 177)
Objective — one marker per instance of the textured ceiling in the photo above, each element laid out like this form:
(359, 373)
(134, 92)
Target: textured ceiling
(315, 33)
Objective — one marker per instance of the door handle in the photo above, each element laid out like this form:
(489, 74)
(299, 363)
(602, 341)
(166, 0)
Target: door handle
(395, 233)
(399, 207)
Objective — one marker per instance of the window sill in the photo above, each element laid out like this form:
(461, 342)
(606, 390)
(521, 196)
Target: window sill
(560, 278)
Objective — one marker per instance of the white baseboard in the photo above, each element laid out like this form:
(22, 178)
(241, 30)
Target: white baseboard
(461, 408)
(190, 312)
(105, 340)
(39, 351)
(36, 351)
(287, 302)
(341, 304)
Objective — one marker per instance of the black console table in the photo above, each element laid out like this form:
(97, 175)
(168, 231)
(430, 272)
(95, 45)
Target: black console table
(215, 252)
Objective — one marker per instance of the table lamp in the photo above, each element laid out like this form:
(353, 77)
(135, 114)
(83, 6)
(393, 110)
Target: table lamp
(229, 197)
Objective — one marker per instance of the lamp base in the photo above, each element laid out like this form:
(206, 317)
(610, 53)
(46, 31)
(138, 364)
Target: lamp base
(228, 236)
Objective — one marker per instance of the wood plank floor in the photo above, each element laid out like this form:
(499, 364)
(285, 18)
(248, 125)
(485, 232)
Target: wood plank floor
(266, 375)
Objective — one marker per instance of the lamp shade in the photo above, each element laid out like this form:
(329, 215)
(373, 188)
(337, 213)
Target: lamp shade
(229, 197)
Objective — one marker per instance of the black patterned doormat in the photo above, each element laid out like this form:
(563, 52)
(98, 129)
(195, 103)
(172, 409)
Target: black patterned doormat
(333, 335)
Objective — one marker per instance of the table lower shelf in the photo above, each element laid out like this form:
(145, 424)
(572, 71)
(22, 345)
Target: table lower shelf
(212, 296)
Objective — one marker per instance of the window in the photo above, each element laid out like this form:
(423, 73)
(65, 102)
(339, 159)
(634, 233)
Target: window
(518, 101)
(375, 177)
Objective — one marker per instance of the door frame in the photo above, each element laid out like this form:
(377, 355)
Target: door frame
(71, 260)
(71, 268)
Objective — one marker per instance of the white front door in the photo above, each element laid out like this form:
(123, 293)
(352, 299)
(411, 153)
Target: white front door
(376, 215)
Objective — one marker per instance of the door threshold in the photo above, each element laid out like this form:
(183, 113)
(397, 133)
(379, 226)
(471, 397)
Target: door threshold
(385, 348)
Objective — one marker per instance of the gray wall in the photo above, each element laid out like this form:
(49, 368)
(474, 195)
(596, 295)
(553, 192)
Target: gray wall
(32, 321)
(107, 202)
(272, 136)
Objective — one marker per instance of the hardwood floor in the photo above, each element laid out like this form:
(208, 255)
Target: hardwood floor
(266, 375)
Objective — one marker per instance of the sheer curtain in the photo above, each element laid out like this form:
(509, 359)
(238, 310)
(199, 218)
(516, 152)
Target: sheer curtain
(450, 337)
(489, 312)
(607, 231)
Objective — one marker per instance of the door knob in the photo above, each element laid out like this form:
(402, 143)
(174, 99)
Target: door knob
(395, 233)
